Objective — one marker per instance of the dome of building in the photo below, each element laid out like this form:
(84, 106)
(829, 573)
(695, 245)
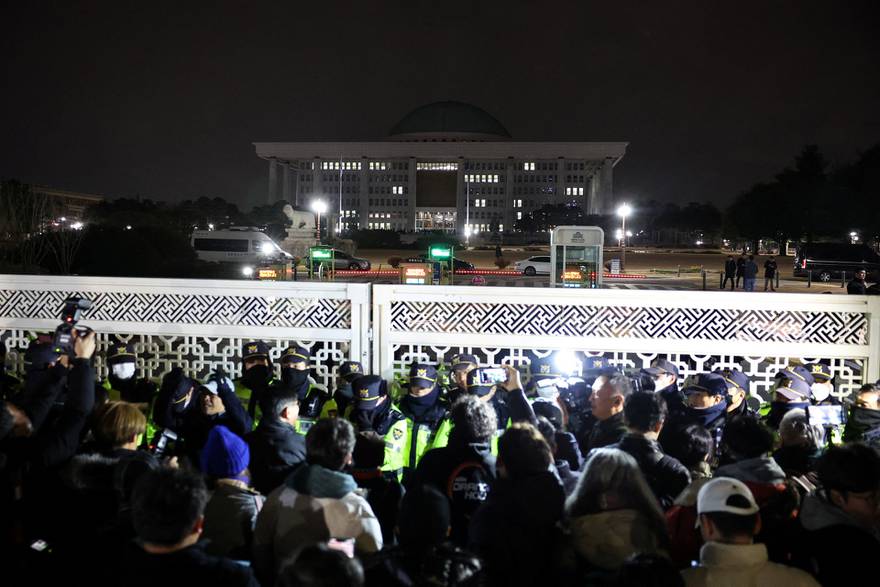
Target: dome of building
(449, 121)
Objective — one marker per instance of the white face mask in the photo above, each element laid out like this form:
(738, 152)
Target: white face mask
(123, 370)
(821, 391)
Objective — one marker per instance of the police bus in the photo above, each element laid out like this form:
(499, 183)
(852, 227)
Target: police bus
(237, 244)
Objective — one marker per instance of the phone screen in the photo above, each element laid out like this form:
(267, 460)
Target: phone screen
(492, 375)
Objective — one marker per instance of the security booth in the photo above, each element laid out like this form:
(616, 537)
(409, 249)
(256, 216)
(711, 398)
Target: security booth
(322, 261)
(416, 273)
(576, 256)
(442, 259)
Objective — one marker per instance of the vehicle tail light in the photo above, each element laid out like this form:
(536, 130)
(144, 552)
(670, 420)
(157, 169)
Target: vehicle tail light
(804, 263)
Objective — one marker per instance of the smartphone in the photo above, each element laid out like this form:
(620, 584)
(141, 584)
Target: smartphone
(491, 375)
(825, 415)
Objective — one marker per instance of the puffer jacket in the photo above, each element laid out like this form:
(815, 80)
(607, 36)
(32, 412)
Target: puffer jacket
(606, 539)
(229, 521)
(742, 564)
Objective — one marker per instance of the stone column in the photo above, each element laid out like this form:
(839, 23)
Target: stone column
(273, 182)
(285, 182)
(363, 195)
(411, 195)
(460, 198)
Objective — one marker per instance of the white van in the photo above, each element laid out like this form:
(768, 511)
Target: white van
(237, 244)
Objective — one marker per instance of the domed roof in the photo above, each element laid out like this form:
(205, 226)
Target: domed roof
(449, 120)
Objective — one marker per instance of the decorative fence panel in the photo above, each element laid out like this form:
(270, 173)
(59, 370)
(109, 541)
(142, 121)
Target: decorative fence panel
(195, 324)
(758, 333)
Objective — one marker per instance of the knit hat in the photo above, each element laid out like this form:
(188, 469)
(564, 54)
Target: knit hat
(225, 454)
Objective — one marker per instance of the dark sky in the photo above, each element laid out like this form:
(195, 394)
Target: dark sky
(164, 98)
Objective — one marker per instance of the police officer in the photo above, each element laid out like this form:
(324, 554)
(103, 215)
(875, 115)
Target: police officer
(255, 375)
(707, 405)
(823, 385)
(9, 383)
(540, 369)
(374, 411)
(121, 383)
(171, 406)
(427, 424)
(665, 375)
(459, 367)
(314, 401)
(737, 392)
(348, 372)
(790, 390)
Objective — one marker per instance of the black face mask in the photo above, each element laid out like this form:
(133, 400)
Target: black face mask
(256, 376)
(707, 416)
(295, 379)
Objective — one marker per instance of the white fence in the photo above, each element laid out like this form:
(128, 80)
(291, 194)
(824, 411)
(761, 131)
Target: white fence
(201, 324)
(196, 324)
(760, 333)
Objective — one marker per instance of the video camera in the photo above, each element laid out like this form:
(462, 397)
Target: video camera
(70, 315)
(164, 443)
(640, 380)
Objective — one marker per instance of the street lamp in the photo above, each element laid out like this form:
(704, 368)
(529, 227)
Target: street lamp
(853, 237)
(623, 211)
(319, 207)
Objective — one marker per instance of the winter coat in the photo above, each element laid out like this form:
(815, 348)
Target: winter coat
(750, 270)
(730, 268)
(684, 536)
(276, 450)
(723, 565)
(740, 265)
(568, 450)
(184, 568)
(666, 476)
(674, 398)
(462, 472)
(229, 521)
(604, 433)
(313, 505)
(835, 547)
(796, 460)
(384, 495)
(759, 470)
(514, 532)
(606, 539)
(857, 287)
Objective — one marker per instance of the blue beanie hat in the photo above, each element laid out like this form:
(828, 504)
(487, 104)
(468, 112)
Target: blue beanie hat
(225, 454)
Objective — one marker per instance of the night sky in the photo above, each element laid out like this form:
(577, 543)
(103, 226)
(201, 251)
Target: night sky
(164, 99)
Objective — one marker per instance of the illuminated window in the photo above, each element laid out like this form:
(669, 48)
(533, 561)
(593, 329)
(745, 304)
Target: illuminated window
(517, 203)
(528, 166)
(437, 166)
(519, 215)
(378, 166)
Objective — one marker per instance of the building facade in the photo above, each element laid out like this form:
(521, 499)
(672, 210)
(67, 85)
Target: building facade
(446, 166)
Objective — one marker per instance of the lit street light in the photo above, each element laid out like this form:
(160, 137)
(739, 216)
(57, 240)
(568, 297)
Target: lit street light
(319, 207)
(854, 237)
(623, 211)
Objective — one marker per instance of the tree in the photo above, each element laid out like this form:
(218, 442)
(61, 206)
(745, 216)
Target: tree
(23, 217)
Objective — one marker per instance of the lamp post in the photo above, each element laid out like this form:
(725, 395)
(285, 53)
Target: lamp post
(623, 211)
(319, 207)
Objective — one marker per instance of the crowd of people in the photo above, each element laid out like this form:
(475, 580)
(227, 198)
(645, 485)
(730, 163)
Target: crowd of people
(454, 474)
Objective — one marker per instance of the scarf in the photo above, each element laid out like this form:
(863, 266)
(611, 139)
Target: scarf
(707, 416)
(419, 407)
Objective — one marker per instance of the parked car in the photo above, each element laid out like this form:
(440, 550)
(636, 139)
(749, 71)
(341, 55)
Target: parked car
(458, 264)
(342, 260)
(237, 244)
(828, 261)
(539, 265)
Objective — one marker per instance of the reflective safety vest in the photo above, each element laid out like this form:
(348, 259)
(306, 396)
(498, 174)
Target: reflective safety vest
(113, 395)
(328, 410)
(395, 445)
(422, 437)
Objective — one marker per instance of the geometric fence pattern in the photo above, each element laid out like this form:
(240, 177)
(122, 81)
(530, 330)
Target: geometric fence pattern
(187, 308)
(197, 355)
(761, 370)
(631, 322)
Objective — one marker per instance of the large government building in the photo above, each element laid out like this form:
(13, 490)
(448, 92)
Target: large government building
(446, 166)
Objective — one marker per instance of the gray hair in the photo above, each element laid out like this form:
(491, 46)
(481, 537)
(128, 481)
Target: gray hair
(795, 430)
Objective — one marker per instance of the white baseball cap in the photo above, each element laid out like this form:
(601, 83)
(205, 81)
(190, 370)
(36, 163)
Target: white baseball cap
(715, 496)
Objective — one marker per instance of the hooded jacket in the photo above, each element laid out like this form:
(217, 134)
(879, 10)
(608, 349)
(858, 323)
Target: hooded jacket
(276, 450)
(514, 532)
(742, 564)
(313, 505)
(834, 546)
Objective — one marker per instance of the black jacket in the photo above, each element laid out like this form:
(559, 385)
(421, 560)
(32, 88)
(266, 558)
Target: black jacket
(604, 433)
(674, 399)
(515, 532)
(730, 268)
(568, 450)
(463, 472)
(184, 568)
(197, 425)
(857, 287)
(444, 565)
(276, 450)
(384, 496)
(666, 476)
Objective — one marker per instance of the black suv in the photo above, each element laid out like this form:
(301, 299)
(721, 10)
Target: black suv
(829, 260)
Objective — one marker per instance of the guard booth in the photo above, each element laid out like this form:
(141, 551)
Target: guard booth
(576, 256)
(416, 273)
(322, 261)
(442, 259)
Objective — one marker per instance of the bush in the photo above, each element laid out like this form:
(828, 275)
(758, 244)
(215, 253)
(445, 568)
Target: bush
(148, 251)
(436, 238)
(376, 239)
(502, 263)
(394, 261)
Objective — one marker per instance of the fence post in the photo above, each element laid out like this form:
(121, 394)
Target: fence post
(843, 279)
(704, 279)
(809, 278)
(679, 270)
(721, 281)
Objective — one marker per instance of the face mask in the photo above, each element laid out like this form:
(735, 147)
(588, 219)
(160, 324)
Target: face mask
(123, 370)
(256, 376)
(294, 378)
(821, 391)
(708, 415)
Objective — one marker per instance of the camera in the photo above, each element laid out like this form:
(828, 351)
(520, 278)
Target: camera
(70, 315)
(164, 443)
(640, 380)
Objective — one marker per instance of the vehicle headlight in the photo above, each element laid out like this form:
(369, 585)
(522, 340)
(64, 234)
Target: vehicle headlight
(247, 271)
